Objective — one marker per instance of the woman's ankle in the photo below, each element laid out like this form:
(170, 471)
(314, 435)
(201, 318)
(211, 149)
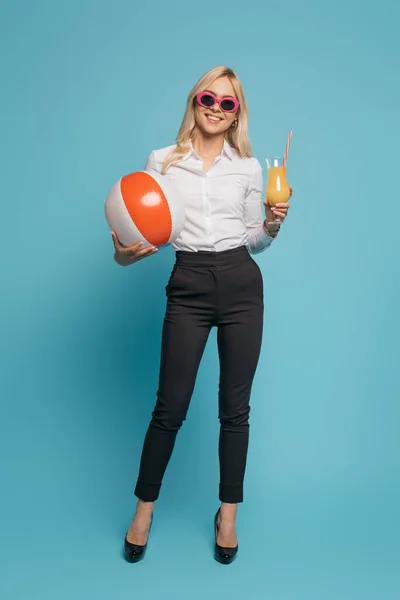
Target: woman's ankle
(228, 511)
(144, 507)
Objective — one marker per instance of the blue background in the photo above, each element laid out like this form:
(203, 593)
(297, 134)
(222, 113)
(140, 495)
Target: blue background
(88, 90)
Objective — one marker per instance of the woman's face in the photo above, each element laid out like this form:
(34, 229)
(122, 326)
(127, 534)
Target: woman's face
(214, 120)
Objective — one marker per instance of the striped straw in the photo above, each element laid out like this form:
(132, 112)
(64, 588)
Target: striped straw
(287, 147)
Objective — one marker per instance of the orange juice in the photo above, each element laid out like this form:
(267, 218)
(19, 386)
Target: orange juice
(277, 187)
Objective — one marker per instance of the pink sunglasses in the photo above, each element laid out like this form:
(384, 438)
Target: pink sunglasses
(207, 99)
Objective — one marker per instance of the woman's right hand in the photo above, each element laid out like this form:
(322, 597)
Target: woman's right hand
(127, 255)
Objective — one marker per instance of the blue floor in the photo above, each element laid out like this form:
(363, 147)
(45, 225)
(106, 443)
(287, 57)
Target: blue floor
(293, 548)
(307, 538)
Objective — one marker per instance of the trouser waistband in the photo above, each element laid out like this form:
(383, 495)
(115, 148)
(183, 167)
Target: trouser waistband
(206, 258)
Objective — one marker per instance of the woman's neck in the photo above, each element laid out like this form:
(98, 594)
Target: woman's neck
(208, 146)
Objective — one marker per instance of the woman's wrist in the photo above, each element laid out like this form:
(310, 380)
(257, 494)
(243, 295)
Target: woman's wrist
(271, 231)
(122, 260)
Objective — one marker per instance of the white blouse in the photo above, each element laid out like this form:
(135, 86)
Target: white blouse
(223, 206)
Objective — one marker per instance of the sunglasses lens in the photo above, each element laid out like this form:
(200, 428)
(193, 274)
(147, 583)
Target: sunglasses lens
(207, 100)
(228, 105)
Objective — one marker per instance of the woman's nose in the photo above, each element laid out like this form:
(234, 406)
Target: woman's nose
(216, 108)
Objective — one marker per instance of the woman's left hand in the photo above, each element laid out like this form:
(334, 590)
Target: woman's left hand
(279, 211)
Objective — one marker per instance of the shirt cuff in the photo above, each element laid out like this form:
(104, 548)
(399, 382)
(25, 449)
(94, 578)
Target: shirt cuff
(263, 241)
(266, 239)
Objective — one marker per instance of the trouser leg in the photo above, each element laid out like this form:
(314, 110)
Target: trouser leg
(239, 345)
(186, 328)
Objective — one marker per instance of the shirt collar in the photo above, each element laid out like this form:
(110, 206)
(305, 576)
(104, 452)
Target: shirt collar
(226, 149)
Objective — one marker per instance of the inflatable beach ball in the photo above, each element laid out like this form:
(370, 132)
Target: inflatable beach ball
(146, 208)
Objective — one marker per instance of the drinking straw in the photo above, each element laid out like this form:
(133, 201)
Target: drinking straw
(287, 147)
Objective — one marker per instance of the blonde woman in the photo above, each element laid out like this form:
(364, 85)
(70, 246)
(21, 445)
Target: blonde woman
(214, 282)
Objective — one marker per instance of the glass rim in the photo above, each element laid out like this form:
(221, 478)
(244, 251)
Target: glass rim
(275, 161)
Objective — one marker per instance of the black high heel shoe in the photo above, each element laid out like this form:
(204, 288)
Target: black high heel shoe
(133, 552)
(223, 555)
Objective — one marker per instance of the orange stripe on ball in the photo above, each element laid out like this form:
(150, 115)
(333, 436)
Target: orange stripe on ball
(147, 206)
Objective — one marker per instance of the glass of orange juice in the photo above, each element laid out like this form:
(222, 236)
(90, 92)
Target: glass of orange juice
(277, 186)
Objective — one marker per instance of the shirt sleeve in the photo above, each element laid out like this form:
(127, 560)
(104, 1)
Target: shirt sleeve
(257, 238)
(151, 165)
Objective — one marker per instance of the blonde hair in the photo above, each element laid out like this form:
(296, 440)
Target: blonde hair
(238, 138)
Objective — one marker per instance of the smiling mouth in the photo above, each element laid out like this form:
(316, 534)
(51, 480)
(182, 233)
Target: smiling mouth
(213, 119)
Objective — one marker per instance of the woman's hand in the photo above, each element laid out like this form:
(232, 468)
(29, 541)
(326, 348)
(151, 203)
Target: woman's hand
(127, 255)
(279, 211)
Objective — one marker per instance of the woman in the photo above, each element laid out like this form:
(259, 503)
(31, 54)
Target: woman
(214, 282)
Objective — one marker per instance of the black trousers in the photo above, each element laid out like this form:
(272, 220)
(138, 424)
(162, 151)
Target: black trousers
(206, 289)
